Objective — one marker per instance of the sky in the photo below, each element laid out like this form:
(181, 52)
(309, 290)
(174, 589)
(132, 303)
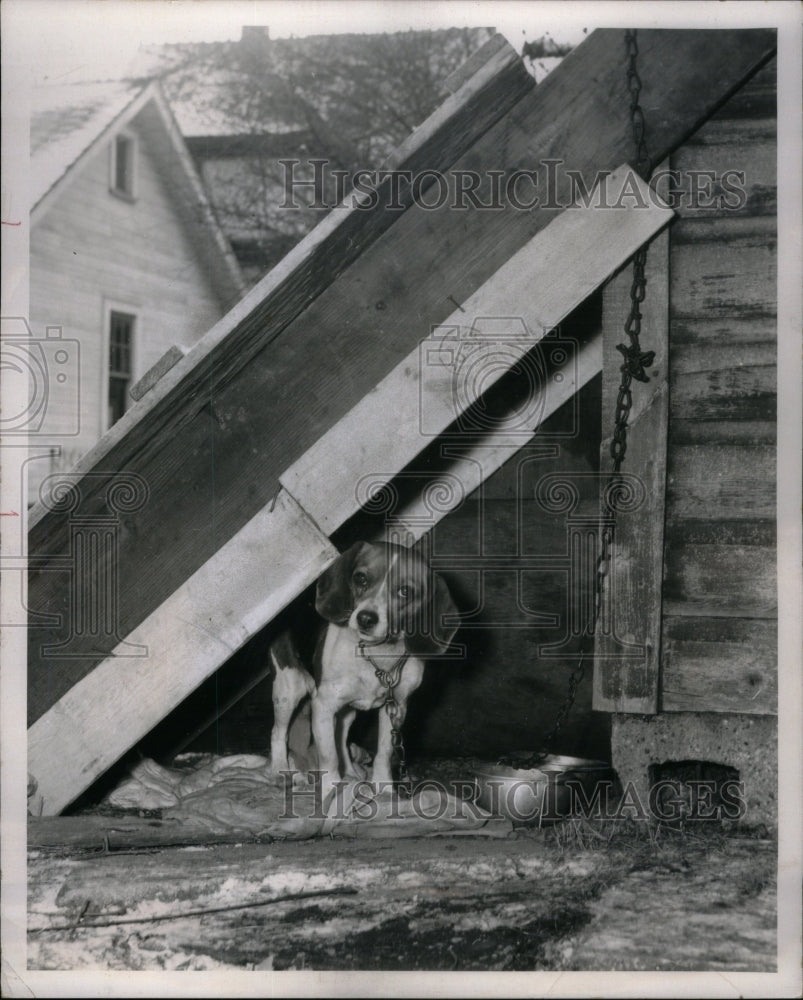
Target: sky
(67, 40)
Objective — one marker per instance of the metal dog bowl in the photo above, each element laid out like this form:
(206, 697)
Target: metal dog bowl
(530, 796)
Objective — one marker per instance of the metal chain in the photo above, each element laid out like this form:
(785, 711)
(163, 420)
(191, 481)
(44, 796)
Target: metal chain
(636, 114)
(634, 362)
(390, 679)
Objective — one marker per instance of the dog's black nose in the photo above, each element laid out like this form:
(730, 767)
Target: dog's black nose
(367, 619)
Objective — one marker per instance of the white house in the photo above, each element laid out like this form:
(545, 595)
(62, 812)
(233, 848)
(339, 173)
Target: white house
(126, 255)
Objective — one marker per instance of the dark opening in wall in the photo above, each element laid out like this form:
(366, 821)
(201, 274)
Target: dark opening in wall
(698, 790)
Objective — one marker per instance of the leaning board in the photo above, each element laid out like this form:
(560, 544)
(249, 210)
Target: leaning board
(285, 546)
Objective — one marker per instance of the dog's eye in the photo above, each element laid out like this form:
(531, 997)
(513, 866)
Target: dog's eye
(405, 592)
(360, 581)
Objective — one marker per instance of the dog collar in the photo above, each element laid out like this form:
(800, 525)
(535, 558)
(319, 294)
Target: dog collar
(388, 678)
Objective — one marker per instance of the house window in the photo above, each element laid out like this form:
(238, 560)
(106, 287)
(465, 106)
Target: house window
(123, 166)
(121, 350)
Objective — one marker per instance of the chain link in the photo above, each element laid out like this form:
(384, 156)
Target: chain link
(637, 122)
(390, 679)
(634, 363)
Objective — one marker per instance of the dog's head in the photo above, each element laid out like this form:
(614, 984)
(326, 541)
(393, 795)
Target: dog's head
(383, 591)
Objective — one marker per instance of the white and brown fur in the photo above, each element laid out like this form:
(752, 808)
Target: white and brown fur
(381, 601)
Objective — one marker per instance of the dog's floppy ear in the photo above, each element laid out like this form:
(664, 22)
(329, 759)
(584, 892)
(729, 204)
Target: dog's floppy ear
(435, 633)
(333, 592)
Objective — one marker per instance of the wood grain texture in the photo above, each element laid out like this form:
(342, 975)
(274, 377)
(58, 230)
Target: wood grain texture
(721, 481)
(490, 333)
(720, 665)
(476, 461)
(724, 383)
(249, 580)
(737, 581)
(624, 682)
(212, 438)
(735, 156)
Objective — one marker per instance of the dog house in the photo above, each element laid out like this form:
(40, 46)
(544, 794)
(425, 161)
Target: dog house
(327, 400)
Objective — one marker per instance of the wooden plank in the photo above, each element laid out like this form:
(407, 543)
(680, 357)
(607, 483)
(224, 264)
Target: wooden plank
(732, 383)
(727, 580)
(721, 531)
(475, 61)
(556, 271)
(119, 834)
(170, 358)
(624, 682)
(721, 481)
(211, 423)
(758, 98)
(329, 249)
(708, 180)
(720, 665)
(250, 579)
(476, 462)
(737, 285)
(747, 123)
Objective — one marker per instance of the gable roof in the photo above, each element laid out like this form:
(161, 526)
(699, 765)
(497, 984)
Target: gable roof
(195, 74)
(69, 123)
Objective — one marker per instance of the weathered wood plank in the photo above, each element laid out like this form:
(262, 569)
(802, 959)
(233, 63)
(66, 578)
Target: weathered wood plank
(250, 579)
(721, 481)
(624, 682)
(720, 665)
(738, 285)
(747, 123)
(192, 476)
(212, 438)
(477, 461)
(721, 531)
(434, 385)
(119, 834)
(758, 98)
(734, 580)
(732, 383)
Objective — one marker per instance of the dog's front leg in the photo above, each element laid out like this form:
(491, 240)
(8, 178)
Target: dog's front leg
(325, 706)
(346, 719)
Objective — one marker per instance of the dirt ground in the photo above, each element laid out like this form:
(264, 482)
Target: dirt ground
(571, 897)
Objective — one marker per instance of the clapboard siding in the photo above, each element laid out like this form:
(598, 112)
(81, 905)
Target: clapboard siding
(720, 665)
(724, 383)
(720, 580)
(720, 586)
(731, 481)
(91, 249)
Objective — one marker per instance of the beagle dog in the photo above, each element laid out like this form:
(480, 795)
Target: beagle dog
(386, 612)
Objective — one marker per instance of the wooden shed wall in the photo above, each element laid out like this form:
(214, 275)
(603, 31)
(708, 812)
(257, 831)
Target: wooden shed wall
(719, 637)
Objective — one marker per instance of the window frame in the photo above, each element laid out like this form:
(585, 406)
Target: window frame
(109, 311)
(128, 193)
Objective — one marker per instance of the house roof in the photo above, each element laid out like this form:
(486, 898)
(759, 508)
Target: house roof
(66, 120)
(69, 123)
(194, 74)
